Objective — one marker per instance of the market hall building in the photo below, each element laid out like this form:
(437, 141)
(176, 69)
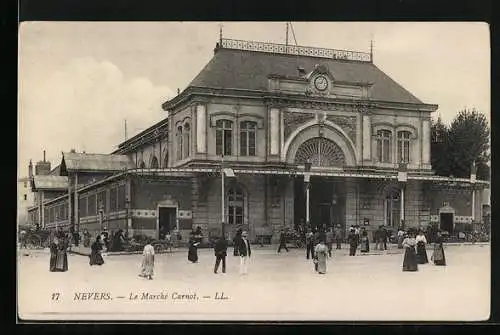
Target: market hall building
(313, 136)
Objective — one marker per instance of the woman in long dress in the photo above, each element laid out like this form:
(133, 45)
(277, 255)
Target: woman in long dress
(62, 256)
(410, 257)
(148, 261)
(421, 250)
(54, 246)
(438, 255)
(193, 249)
(321, 255)
(95, 253)
(365, 242)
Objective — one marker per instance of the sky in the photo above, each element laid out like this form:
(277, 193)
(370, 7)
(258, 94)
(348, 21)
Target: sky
(79, 81)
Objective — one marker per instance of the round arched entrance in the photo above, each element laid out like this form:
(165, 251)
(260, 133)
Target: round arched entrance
(321, 152)
(327, 195)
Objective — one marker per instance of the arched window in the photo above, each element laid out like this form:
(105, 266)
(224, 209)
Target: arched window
(179, 143)
(247, 138)
(384, 147)
(235, 206)
(142, 165)
(223, 137)
(404, 147)
(154, 163)
(186, 140)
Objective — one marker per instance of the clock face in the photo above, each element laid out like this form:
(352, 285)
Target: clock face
(321, 83)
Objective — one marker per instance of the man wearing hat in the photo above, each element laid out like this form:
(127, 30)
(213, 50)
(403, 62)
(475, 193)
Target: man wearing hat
(338, 236)
(244, 252)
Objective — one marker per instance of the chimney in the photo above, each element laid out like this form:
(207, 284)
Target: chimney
(42, 167)
(72, 151)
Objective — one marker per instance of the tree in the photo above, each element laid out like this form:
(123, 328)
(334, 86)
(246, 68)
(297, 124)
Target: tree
(439, 148)
(455, 148)
(469, 141)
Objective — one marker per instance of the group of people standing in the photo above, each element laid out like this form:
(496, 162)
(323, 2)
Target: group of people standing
(416, 252)
(241, 248)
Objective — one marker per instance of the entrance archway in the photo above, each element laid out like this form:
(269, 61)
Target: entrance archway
(321, 152)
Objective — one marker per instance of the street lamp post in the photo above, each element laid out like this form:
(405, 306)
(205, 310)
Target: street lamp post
(230, 173)
(307, 182)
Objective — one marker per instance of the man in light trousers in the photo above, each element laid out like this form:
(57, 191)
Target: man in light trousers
(245, 253)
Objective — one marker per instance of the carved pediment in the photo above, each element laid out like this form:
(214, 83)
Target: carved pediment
(347, 123)
(292, 121)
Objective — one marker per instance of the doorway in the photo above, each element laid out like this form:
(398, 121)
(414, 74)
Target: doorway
(446, 222)
(327, 202)
(166, 221)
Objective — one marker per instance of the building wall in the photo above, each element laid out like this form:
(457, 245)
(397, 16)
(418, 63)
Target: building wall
(148, 194)
(25, 200)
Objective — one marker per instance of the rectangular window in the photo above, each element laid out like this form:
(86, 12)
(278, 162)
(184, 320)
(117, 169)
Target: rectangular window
(239, 215)
(82, 206)
(227, 142)
(92, 205)
(112, 199)
(121, 197)
(25, 184)
(25, 197)
(218, 142)
(231, 218)
(251, 144)
(386, 153)
(243, 143)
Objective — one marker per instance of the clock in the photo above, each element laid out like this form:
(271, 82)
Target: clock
(321, 83)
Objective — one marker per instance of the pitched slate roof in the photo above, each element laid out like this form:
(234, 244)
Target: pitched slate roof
(241, 69)
(75, 161)
(49, 182)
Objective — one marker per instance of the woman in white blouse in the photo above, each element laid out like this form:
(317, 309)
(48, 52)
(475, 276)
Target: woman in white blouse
(410, 257)
(148, 261)
(421, 251)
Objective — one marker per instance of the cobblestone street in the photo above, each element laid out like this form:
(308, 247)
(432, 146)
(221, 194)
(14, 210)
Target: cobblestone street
(279, 287)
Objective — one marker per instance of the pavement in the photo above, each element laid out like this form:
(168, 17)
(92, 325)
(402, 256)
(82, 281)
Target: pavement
(391, 249)
(281, 287)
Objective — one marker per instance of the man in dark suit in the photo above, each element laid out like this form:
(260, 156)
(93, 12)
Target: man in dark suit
(245, 252)
(220, 250)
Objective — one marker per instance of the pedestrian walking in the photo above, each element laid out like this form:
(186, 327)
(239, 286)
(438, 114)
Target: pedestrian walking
(58, 255)
(245, 252)
(95, 252)
(321, 256)
(385, 236)
(410, 256)
(338, 236)
(283, 241)
(220, 250)
(438, 256)
(309, 243)
(421, 250)
(193, 248)
(236, 241)
(352, 238)
(365, 242)
(148, 261)
(379, 238)
(329, 241)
